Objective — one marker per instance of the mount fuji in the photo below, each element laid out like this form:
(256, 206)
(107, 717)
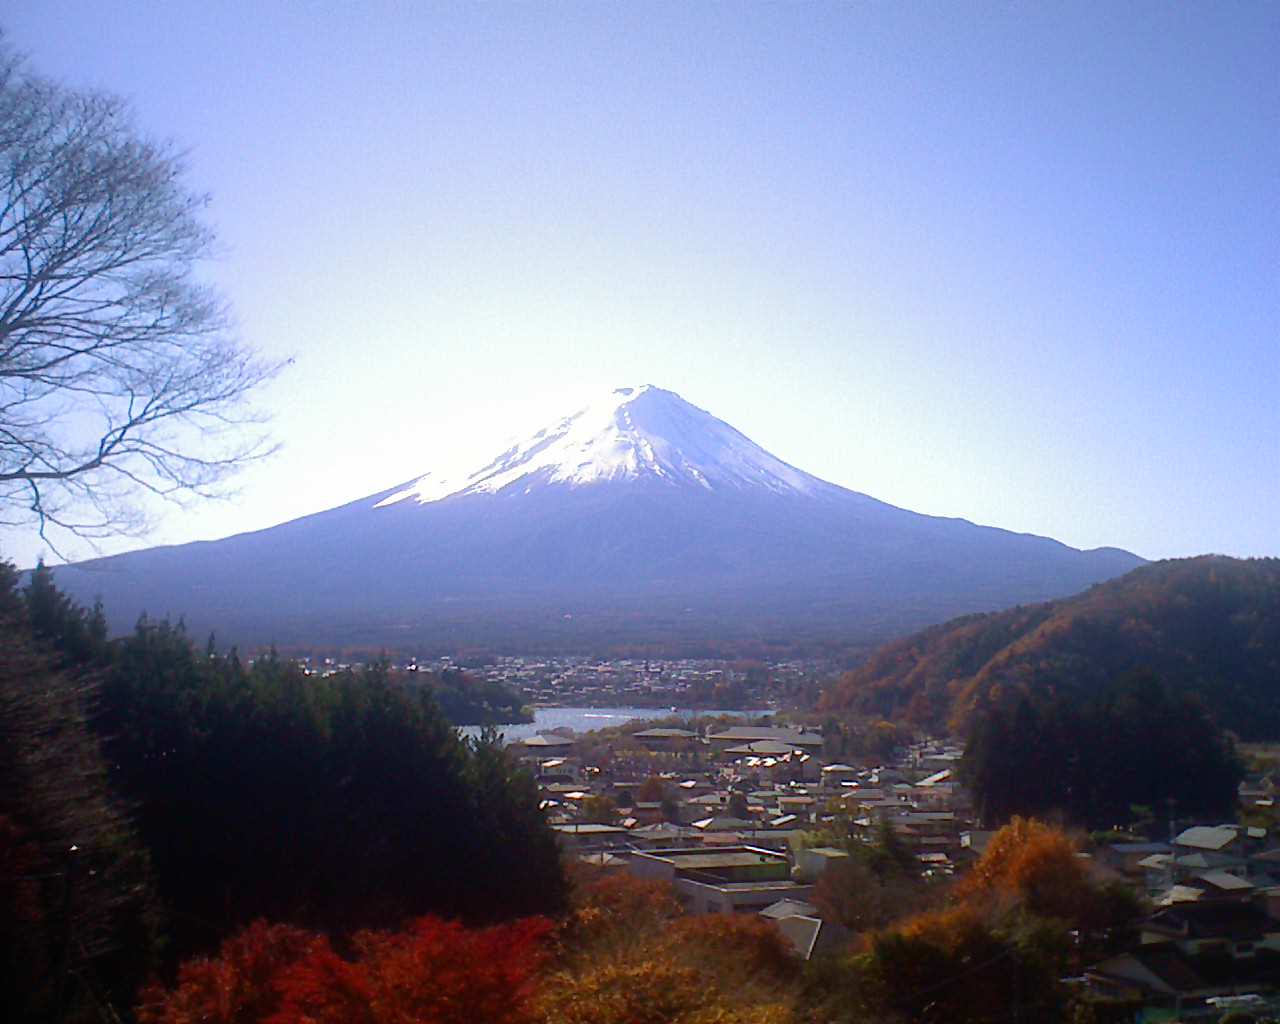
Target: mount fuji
(640, 519)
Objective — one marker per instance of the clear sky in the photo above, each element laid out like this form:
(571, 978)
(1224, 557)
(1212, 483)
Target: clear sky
(1015, 262)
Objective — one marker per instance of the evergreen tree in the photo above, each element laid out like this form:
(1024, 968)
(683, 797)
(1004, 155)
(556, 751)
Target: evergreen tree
(78, 925)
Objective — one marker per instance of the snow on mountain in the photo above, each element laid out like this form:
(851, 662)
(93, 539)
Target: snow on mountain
(633, 433)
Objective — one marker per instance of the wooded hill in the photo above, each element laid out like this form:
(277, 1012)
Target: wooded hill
(1208, 626)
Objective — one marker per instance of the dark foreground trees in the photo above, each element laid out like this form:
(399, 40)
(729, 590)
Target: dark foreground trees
(78, 916)
(119, 370)
(1138, 743)
(227, 793)
(337, 803)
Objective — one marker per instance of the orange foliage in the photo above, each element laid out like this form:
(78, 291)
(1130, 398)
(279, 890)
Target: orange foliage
(433, 972)
(729, 944)
(673, 970)
(1034, 864)
(950, 930)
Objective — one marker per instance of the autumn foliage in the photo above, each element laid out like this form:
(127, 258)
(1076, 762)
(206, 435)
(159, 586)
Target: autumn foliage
(631, 957)
(625, 955)
(1002, 942)
(1034, 864)
(614, 907)
(694, 970)
(432, 972)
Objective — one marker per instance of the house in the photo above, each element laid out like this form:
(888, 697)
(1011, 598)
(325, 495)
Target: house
(722, 880)
(813, 862)
(1192, 958)
(836, 775)
(664, 739)
(542, 745)
(740, 735)
(1133, 859)
(591, 837)
(802, 926)
(1220, 927)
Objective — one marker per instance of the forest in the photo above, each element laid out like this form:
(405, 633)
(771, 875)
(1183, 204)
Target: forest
(1207, 626)
(1133, 750)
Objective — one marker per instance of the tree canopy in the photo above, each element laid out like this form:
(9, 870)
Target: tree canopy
(1137, 743)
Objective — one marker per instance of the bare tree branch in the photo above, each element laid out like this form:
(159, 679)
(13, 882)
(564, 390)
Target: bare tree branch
(120, 374)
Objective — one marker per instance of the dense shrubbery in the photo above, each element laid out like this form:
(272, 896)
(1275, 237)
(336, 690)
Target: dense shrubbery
(339, 802)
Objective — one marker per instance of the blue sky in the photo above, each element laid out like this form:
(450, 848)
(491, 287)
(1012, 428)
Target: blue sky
(1011, 262)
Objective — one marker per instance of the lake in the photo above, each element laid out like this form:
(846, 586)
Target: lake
(585, 719)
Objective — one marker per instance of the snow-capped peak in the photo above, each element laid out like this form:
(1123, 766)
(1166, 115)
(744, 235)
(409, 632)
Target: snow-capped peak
(632, 433)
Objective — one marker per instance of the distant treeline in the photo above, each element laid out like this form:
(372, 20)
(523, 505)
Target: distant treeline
(154, 796)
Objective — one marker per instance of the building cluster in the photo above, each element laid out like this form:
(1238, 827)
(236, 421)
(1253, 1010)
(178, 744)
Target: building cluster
(646, 682)
(1212, 940)
(576, 681)
(728, 816)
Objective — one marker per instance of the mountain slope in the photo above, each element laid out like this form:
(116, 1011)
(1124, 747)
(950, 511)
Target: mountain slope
(1209, 625)
(638, 519)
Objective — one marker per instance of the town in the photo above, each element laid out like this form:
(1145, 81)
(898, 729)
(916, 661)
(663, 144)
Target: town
(638, 682)
(749, 818)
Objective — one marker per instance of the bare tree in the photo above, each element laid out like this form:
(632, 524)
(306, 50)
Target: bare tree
(120, 374)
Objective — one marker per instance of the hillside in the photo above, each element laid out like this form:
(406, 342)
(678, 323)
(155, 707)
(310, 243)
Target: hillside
(1207, 625)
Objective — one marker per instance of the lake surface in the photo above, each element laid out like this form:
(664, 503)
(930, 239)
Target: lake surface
(586, 719)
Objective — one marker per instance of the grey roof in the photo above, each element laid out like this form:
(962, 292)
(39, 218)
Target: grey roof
(588, 828)
(747, 733)
(1125, 849)
(1156, 862)
(659, 830)
(722, 823)
(802, 932)
(543, 740)
(763, 747)
(1207, 837)
(1225, 881)
(789, 908)
(704, 859)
